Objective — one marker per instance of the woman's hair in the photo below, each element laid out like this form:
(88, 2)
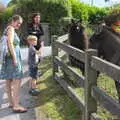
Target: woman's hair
(34, 15)
(14, 18)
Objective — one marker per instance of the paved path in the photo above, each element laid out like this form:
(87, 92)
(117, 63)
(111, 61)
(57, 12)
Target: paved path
(25, 99)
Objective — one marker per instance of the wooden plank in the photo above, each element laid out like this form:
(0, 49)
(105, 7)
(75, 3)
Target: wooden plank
(106, 101)
(63, 38)
(70, 92)
(54, 53)
(62, 53)
(94, 116)
(78, 54)
(106, 67)
(69, 71)
(90, 80)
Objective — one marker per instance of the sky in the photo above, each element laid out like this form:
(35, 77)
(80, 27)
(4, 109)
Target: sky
(99, 3)
(5, 2)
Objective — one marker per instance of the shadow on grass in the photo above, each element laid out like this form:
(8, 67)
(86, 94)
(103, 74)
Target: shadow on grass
(53, 99)
(27, 100)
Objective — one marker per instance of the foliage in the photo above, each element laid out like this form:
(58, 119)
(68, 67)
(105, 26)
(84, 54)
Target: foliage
(5, 15)
(64, 24)
(96, 14)
(113, 15)
(58, 9)
(54, 101)
(54, 12)
(87, 13)
(116, 6)
(51, 10)
(79, 10)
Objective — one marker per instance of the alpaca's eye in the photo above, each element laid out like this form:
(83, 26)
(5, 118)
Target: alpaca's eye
(77, 28)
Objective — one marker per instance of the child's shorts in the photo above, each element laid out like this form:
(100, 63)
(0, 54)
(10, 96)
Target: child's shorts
(33, 72)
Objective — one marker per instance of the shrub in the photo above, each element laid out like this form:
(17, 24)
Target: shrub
(51, 11)
(5, 15)
(113, 16)
(79, 10)
(96, 14)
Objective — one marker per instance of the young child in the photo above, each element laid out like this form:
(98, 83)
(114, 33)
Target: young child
(33, 61)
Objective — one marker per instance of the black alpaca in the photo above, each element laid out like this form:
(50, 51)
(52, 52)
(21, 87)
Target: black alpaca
(107, 43)
(77, 39)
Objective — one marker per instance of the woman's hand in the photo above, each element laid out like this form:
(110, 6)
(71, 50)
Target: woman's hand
(15, 62)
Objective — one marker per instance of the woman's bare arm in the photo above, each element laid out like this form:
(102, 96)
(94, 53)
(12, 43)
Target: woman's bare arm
(42, 45)
(10, 34)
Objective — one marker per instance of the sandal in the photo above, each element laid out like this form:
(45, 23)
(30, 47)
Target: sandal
(10, 106)
(20, 111)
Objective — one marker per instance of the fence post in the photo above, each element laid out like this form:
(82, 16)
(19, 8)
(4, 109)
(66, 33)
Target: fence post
(54, 53)
(90, 80)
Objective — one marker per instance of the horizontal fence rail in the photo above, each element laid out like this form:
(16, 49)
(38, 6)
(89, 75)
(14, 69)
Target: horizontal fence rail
(63, 38)
(72, 73)
(70, 92)
(92, 93)
(106, 67)
(106, 101)
(78, 54)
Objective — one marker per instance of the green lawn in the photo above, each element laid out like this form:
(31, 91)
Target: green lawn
(53, 100)
(56, 104)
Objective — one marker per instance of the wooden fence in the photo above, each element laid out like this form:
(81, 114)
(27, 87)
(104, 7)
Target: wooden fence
(92, 94)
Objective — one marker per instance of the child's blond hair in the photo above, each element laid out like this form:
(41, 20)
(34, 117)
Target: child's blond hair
(32, 37)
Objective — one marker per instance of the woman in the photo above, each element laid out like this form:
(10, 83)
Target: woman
(35, 28)
(12, 69)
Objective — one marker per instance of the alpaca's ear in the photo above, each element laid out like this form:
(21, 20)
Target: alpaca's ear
(72, 21)
(79, 21)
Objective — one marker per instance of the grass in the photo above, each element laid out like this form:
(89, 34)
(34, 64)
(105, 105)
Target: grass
(56, 104)
(53, 100)
(107, 84)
